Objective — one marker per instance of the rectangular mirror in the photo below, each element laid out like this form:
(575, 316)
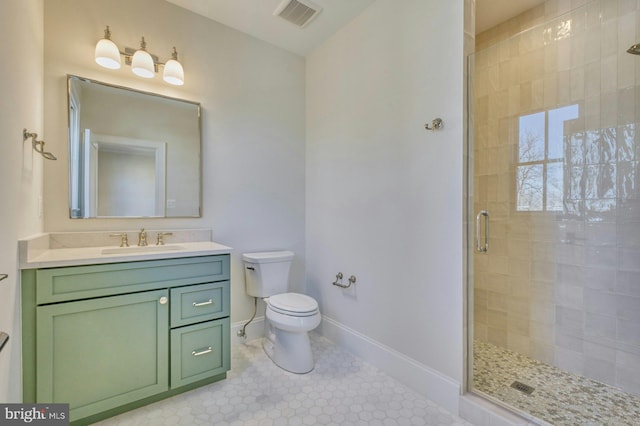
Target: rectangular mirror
(132, 153)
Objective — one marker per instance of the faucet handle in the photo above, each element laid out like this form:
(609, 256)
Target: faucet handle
(124, 239)
(160, 241)
(142, 238)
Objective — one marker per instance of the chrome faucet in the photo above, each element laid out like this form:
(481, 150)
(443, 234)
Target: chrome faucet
(160, 241)
(124, 240)
(142, 238)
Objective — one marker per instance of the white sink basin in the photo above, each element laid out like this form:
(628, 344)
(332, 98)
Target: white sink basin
(140, 249)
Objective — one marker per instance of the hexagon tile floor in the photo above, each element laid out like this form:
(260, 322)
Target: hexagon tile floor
(341, 390)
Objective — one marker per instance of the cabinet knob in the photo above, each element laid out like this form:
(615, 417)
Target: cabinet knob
(164, 300)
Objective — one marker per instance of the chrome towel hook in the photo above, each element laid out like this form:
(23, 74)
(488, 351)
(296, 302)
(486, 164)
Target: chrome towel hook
(38, 146)
(436, 124)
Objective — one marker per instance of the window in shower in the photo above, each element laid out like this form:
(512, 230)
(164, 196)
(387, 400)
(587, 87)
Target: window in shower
(540, 165)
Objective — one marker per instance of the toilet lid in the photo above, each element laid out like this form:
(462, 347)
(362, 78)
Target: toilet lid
(293, 302)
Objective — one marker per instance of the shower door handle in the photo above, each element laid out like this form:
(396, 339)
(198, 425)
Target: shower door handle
(482, 248)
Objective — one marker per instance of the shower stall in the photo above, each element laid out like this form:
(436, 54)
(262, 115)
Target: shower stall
(554, 270)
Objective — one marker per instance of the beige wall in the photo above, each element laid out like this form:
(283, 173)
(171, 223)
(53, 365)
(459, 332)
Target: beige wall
(253, 124)
(545, 12)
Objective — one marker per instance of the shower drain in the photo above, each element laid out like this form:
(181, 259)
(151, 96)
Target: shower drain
(522, 387)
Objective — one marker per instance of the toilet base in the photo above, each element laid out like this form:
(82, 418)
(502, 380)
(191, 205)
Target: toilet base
(290, 351)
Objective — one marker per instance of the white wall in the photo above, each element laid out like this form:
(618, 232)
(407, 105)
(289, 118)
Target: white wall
(20, 167)
(253, 123)
(384, 196)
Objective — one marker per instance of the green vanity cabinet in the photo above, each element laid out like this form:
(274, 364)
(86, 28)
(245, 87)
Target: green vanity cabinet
(108, 338)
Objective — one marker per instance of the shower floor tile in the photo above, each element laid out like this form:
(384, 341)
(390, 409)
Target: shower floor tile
(559, 398)
(341, 390)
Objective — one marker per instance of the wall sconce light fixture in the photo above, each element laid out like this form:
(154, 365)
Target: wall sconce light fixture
(143, 63)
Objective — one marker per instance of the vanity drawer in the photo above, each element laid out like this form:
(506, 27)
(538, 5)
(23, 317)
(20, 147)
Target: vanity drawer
(199, 351)
(198, 303)
(83, 282)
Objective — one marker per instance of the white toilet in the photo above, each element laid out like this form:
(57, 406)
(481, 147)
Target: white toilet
(290, 316)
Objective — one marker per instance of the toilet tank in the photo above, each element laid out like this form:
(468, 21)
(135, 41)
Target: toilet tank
(267, 273)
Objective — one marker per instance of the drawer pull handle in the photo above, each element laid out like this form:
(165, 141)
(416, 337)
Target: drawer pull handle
(208, 302)
(202, 352)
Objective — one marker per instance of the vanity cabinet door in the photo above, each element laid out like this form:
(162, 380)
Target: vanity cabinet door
(102, 353)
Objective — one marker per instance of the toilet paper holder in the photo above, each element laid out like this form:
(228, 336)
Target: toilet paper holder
(338, 281)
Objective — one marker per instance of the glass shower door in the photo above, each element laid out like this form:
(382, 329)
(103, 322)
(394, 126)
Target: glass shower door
(556, 207)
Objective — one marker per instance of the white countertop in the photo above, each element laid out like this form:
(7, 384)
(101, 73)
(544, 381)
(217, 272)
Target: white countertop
(47, 251)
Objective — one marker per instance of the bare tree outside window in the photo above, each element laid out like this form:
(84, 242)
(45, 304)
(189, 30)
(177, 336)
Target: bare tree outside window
(540, 166)
(529, 178)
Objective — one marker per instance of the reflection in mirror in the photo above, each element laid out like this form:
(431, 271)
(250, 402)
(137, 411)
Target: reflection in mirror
(131, 153)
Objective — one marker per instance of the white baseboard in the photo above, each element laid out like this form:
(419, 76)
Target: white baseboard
(432, 384)
(254, 330)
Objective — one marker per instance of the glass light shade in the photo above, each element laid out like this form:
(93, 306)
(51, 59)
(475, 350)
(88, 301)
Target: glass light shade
(107, 54)
(142, 64)
(173, 73)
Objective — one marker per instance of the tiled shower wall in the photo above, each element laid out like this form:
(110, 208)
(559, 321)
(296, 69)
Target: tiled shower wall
(561, 280)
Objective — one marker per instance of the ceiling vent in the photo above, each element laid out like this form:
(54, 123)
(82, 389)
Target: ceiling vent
(298, 12)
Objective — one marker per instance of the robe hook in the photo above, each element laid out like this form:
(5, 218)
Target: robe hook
(436, 124)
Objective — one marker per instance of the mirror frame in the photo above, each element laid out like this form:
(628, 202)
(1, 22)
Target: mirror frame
(70, 78)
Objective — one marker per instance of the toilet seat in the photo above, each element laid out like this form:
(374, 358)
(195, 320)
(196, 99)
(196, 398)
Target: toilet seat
(293, 304)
